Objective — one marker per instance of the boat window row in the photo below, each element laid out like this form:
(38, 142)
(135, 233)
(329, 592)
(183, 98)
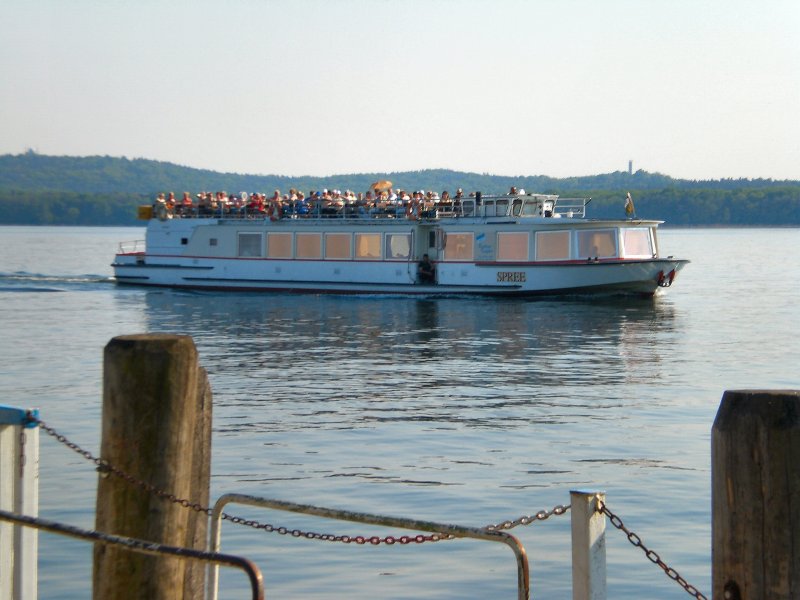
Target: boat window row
(507, 246)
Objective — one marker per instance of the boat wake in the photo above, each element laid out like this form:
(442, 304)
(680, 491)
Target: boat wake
(38, 282)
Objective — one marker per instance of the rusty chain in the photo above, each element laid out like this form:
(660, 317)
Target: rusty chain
(651, 555)
(104, 468)
(542, 515)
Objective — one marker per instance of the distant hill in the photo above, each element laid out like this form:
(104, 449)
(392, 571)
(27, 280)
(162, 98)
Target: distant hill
(104, 190)
(106, 174)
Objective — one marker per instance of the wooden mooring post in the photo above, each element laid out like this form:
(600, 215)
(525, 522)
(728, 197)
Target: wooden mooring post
(755, 496)
(156, 428)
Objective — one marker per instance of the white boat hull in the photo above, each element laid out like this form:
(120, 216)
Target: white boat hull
(632, 277)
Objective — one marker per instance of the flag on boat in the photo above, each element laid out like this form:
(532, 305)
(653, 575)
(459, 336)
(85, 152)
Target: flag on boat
(629, 208)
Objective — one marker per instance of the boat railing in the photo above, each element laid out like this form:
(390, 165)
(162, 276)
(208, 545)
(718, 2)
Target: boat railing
(440, 530)
(486, 206)
(131, 247)
(571, 207)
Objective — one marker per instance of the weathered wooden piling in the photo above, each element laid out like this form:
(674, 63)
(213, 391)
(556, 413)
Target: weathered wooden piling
(755, 472)
(156, 428)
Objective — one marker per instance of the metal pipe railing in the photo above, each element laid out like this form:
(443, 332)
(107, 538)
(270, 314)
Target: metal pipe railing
(144, 547)
(523, 573)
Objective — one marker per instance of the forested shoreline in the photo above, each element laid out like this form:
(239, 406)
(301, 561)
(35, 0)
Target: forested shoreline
(46, 190)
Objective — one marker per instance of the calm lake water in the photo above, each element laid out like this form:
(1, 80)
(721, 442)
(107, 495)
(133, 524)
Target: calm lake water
(459, 411)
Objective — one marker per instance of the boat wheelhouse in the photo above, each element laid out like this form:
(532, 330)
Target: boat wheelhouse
(510, 245)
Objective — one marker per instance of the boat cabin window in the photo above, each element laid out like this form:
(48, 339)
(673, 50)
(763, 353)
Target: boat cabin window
(516, 208)
(249, 245)
(309, 245)
(368, 246)
(512, 246)
(530, 209)
(597, 243)
(279, 245)
(398, 246)
(337, 245)
(552, 245)
(637, 243)
(459, 246)
(502, 207)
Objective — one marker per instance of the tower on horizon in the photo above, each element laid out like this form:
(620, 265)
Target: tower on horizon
(630, 167)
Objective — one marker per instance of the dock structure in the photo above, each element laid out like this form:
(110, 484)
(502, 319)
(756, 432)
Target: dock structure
(156, 442)
(19, 493)
(156, 429)
(755, 495)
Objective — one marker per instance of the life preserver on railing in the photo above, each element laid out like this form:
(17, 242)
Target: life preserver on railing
(665, 280)
(274, 212)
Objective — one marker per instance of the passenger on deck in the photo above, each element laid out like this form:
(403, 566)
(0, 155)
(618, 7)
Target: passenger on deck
(426, 272)
(256, 205)
(171, 204)
(236, 203)
(160, 208)
(445, 201)
(186, 205)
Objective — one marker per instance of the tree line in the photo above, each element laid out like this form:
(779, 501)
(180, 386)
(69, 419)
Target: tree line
(102, 190)
(747, 207)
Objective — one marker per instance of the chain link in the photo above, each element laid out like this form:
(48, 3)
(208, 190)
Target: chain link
(651, 555)
(542, 515)
(105, 468)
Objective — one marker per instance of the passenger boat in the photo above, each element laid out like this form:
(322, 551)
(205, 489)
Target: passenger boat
(506, 245)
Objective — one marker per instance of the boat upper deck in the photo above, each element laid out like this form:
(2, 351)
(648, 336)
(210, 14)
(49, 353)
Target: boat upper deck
(477, 206)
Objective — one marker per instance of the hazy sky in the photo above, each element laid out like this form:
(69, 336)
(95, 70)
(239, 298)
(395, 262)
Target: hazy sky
(698, 89)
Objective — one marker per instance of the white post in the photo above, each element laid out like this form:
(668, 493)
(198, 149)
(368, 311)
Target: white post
(588, 546)
(19, 493)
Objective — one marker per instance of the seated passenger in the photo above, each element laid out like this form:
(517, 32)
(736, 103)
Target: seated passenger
(426, 272)
(186, 205)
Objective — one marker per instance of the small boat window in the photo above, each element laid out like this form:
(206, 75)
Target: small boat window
(552, 245)
(467, 207)
(337, 245)
(398, 246)
(502, 207)
(637, 243)
(368, 246)
(530, 209)
(249, 245)
(279, 245)
(309, 245)
(459, 246)
(516, 208)
(512, 246)
(597, 243)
